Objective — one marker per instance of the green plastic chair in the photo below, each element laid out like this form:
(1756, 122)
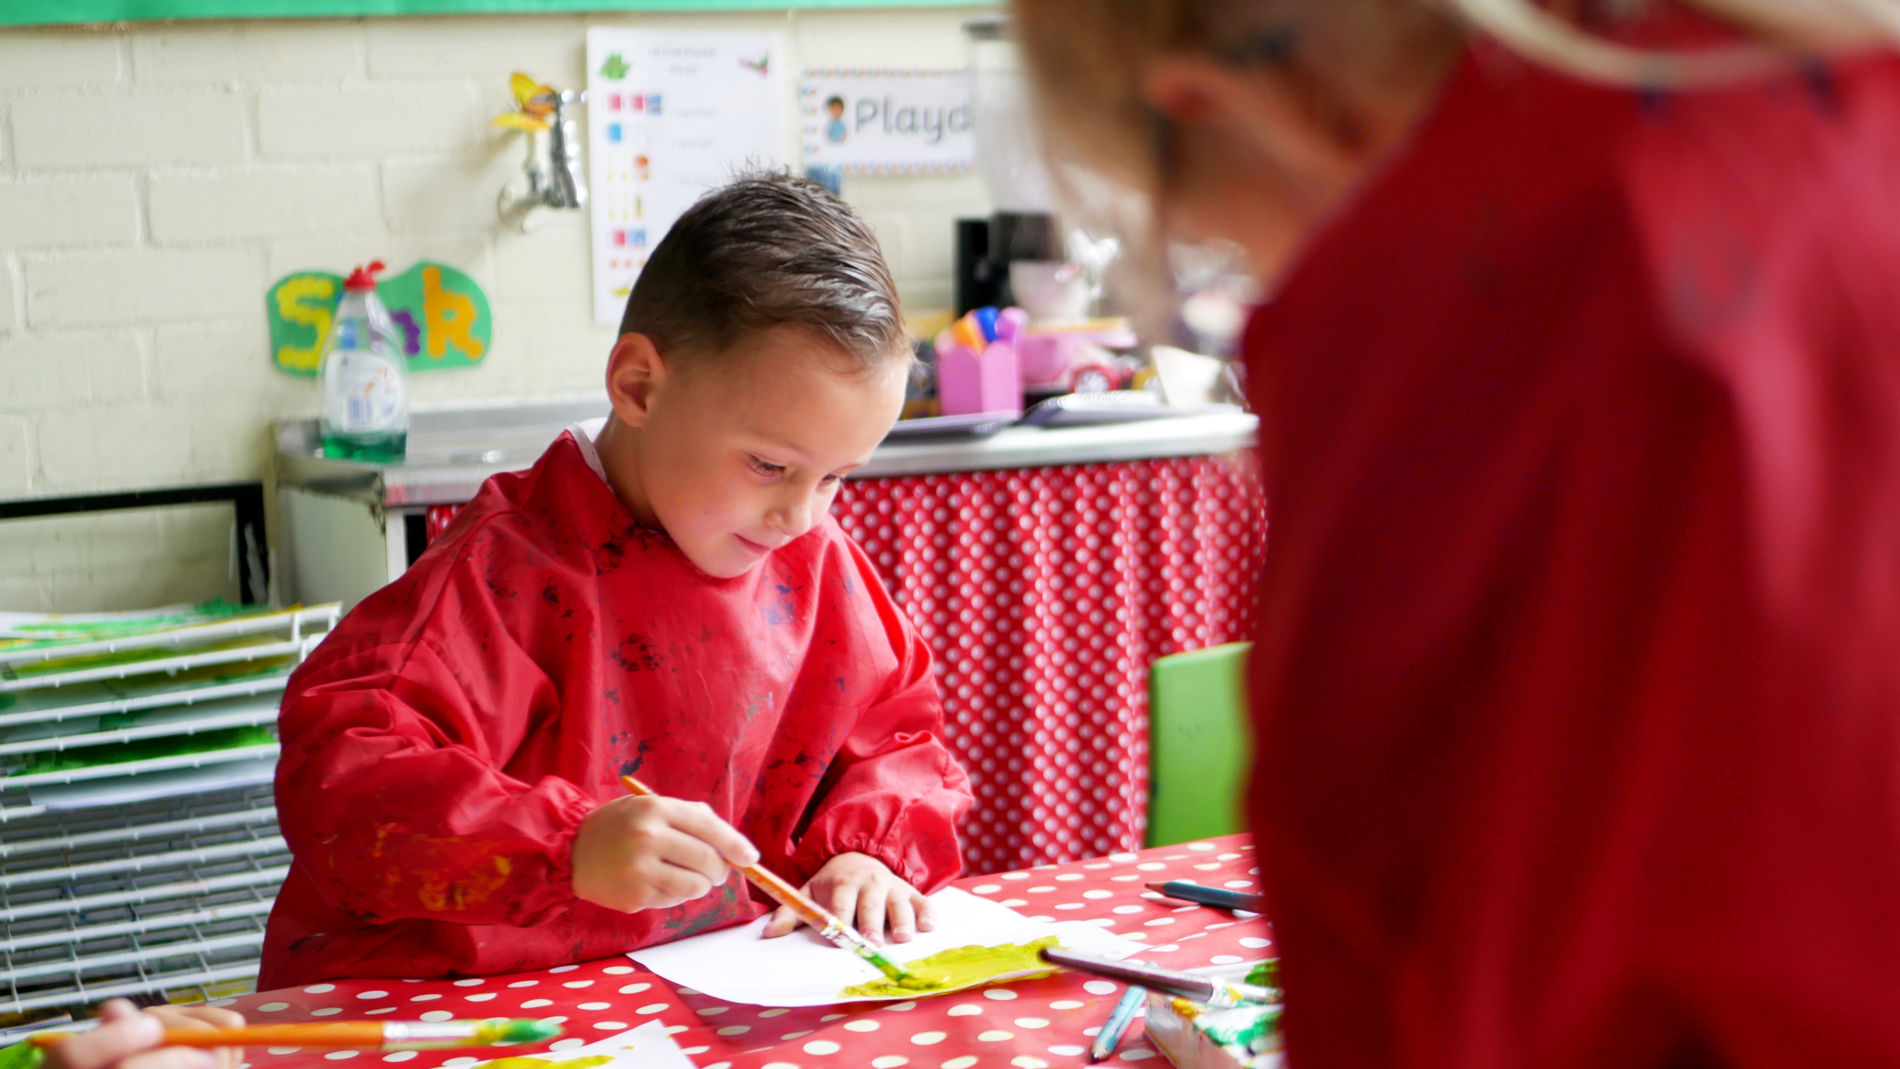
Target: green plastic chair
(1199, 745)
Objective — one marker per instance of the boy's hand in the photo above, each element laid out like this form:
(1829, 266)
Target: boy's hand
(128, 1039)
(862, 892)
(639, 853)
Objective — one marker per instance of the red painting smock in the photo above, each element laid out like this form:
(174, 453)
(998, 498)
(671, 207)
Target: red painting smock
(1578, 684)
(442, 745)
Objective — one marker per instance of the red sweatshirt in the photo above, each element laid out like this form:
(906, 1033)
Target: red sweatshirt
(1578, 686)
(443, 744)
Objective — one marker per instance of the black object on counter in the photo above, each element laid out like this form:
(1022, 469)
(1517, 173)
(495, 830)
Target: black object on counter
(986, 248)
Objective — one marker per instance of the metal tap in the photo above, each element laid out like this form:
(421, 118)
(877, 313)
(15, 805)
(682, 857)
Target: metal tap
(551, 176)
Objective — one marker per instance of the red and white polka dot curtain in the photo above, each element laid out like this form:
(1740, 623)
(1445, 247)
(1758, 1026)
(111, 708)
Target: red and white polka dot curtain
(1045, 594)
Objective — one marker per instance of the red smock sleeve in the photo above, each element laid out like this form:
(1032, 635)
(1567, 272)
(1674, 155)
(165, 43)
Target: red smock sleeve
(893, 791)
(393, 790)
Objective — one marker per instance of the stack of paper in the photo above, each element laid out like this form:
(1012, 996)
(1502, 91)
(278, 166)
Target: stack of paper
(112, 708)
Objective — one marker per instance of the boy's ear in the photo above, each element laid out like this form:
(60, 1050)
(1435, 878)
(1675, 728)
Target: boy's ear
(634, 368)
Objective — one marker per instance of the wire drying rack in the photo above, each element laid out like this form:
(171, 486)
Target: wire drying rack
(162, 898)
(149, 877)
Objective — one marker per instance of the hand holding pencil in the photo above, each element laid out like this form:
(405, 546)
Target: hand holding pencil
(650, 852)
(835, 930)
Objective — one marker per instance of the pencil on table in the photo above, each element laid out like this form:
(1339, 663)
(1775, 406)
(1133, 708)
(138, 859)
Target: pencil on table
(1117, 1023)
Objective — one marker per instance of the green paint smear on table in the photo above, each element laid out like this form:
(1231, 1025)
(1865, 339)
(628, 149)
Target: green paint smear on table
(960, 967)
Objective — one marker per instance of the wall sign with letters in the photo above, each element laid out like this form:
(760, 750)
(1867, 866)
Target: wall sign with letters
(887, 121)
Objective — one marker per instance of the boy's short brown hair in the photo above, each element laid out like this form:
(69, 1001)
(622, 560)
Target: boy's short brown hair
(763, 251)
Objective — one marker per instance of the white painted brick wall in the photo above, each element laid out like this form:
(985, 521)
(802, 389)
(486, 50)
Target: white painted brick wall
(139, 286)
(76, 210)
(144, 128)
(155, 179)
(194, 208)
(369, 122)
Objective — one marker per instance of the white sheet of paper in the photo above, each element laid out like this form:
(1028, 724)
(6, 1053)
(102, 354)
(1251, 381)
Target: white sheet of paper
(645, 1047)
(801, 969)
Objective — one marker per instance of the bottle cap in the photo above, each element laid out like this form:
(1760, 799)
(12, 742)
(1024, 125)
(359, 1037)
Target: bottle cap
(364, 278)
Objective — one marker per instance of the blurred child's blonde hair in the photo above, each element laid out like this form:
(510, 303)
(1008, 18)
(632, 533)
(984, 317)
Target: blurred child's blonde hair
(1086, 56)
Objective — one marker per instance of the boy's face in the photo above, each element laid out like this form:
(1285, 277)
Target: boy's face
(739, 453)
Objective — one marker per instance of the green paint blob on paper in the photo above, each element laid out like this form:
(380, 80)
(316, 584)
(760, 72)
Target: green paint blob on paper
(960, 967)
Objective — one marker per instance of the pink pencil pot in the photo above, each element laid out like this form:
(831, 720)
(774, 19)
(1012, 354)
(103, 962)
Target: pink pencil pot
(970, 382)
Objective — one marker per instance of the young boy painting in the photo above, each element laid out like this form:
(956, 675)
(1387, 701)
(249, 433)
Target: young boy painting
(661, 594)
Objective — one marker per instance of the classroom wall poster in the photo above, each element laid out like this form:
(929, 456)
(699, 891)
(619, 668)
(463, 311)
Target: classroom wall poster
(887, 121)
(670, 114)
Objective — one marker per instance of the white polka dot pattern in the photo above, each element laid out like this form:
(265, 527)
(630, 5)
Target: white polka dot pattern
(1024, 1024)
(1044, 595)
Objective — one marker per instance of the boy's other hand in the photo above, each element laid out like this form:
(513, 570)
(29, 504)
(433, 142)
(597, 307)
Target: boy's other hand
(639, 853)
(128, 1039)
(861, 891)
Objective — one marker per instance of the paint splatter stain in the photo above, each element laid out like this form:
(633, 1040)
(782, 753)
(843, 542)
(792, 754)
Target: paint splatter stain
(636, 654)
(960, 967)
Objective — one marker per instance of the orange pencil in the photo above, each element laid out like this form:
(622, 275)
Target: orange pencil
(820, 918)
(388, 1035)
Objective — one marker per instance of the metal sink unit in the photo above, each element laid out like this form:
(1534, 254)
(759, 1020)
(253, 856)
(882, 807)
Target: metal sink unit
(348, 527)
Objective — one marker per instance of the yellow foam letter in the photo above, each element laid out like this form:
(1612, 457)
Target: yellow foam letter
(446, 318)
(291, 306)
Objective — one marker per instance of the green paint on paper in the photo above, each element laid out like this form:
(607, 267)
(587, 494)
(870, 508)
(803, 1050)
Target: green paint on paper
(960, 967)
(147, 749)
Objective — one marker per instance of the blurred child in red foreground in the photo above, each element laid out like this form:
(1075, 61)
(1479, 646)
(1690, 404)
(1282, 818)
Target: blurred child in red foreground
(663, 594)
(1577, 684)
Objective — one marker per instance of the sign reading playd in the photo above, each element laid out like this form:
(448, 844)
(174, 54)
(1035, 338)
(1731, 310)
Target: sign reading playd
(442, 313)
(887, 121)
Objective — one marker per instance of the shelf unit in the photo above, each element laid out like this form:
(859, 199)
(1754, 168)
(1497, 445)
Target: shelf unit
(133, 860)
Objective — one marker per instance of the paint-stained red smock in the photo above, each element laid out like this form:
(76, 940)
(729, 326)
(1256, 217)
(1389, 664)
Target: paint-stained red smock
(1578, 686)
(441, 747)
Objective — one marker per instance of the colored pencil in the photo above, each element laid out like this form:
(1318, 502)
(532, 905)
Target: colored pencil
(821, 919)
(1118, 1022)
(1203, 989)
(387, 1035)
(1211, 896)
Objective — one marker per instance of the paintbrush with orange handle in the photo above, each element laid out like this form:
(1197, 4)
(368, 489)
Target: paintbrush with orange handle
(821, 919)
(387, 1035)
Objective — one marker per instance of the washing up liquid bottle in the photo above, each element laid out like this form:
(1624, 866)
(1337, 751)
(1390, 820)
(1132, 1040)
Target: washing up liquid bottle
(365, 377)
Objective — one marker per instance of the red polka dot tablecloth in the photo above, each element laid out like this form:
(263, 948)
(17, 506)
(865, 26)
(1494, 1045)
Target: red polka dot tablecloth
(1045, 594)
(1028, 1024)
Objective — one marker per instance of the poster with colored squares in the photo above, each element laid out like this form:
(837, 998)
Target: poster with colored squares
(671, 114)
